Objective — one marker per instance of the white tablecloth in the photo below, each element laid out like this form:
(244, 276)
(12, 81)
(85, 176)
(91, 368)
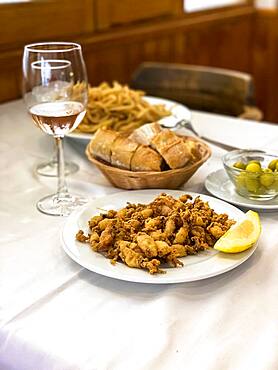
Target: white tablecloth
(56, 315)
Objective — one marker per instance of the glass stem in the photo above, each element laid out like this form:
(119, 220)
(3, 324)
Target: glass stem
(54, 159)
(62, 186)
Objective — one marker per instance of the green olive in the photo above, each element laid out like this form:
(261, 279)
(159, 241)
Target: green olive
(255, 180)
(267, 179)
(272, 165)
(239, 165)
(240, 180)
(252, 185)
(253, 167)
(274, 185)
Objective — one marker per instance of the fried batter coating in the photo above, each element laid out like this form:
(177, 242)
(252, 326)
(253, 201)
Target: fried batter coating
(94, 221)
(81, 237)
(147, 235)
(147, 245)
(129, 256)
(163, 249)
(152, 224)
(106, 237)
(179, 250)
(181, 235)
(152, 266)
(170, 227)
(157, 235)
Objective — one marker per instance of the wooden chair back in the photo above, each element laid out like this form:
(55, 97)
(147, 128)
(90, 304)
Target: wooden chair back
(202, 88)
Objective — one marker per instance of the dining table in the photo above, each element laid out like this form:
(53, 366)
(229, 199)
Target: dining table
(57, 315)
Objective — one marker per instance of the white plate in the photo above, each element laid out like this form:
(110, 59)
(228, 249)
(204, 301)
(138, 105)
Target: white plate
(178, 110)
(201, 266)
(219, 185)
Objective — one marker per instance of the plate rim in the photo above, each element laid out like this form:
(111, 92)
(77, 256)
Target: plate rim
(145, 277)
(87, 136)
(258, 205)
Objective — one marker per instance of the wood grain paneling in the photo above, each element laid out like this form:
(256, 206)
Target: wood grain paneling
(265, 62)
(110, 12)
(44, 19)
(208, 39)
(10, 80)
(220, 38)
(211, 40)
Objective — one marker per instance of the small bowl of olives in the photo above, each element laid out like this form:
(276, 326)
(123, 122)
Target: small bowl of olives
(254, 173)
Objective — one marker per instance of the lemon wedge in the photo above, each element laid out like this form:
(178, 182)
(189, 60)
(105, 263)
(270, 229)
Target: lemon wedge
(241, 236)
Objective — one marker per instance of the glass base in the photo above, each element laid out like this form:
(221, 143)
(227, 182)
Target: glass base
(63, 206)
(258, 197)
(50, 168)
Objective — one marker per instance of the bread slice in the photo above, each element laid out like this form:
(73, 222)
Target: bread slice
(172, 148)
(164, 138)
(146, 159)
(123, 150)
(194, 147)
(101, 143)
(146, 133)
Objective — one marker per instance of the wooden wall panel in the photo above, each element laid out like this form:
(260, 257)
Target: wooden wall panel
(10, 75)
(10, 83)
(222, 38)
(44, 19)
(207, 40)
(265, 62)
(110, 12)
(217, 44)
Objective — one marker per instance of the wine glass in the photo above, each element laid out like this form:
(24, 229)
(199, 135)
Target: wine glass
(50, 168)
(55, 91)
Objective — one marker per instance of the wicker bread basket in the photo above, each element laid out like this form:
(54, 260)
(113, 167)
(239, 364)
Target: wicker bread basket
(171, 179)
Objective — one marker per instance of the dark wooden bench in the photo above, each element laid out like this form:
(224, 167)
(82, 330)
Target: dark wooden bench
(201, 88)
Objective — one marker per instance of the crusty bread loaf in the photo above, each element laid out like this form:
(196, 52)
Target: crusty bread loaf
(144, 134)
(172, 148)
(146, 159)
(101, 144)
(123, 150)
(194, 147)
(164, 138)
(165, 149)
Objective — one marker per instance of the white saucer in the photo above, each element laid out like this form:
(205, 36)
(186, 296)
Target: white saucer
(219, 185)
